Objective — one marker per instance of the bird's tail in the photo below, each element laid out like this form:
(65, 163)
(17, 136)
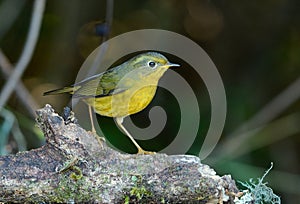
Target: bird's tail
(69, 89)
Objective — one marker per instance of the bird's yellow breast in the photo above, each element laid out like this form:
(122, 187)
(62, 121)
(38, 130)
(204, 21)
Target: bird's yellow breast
(130, 101)
(125, 103)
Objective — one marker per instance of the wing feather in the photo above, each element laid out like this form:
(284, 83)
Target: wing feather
(100, 85)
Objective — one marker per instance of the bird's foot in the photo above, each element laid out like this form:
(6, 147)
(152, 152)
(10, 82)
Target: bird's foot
(99, 139)
(141, 151)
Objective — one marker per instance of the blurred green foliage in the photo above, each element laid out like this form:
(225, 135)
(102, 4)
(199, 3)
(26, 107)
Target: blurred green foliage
(254, 44)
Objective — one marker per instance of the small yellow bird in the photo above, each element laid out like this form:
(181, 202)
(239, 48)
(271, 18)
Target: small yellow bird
(122, 90)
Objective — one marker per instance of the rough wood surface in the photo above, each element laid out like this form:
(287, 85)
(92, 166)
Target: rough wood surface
(73, 167)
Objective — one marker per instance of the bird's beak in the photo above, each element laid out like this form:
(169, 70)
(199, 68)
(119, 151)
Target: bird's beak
(171, 65)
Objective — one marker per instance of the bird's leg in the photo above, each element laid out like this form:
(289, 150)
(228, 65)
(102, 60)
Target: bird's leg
(98, 138)
(91, 118)
(119, 121)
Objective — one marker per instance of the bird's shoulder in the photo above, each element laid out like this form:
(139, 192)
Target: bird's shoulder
(99, 85)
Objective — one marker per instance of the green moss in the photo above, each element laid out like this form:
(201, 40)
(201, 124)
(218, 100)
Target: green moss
(126, 200)
(77, 174)
(74, 187)
(138, 192)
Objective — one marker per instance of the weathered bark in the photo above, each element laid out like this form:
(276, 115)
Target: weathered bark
(73, 167)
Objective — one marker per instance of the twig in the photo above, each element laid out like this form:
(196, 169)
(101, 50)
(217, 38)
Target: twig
(26, 55)
(21, 91)
(263, 136)
(99, 55)
(6, 127)
(267, 114)
(11, 125)
(108, 22)
(273, 109)
(109, 16)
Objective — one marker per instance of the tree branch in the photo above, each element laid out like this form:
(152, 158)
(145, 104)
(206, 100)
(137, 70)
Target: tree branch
(73, 167)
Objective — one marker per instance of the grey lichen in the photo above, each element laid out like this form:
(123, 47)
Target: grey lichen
(258, 192)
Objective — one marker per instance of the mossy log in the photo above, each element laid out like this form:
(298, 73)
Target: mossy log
(73, 167)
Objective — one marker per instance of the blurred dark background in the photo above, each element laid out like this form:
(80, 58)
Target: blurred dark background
(254, 44)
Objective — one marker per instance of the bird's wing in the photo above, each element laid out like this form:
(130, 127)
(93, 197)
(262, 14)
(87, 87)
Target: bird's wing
(100, 85)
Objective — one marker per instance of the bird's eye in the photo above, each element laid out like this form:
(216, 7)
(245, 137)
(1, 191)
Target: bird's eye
(152, 64)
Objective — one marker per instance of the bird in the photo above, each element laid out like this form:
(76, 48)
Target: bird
(123, 90)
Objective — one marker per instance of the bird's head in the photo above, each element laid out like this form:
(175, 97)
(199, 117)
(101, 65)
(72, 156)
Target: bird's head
(149, 64)
(151, 61)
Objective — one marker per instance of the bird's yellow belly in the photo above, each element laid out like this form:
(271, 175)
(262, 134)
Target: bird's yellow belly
(123, 104)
